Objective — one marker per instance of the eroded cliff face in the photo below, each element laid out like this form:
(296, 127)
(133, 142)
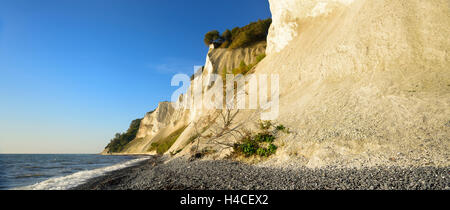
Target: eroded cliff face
(154, 121)
(369, 80)
(219, 59)
(167, 118)
(362, 83)
(287, 15)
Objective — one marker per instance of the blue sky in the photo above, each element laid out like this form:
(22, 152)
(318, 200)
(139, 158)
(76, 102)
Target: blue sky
(74, 72)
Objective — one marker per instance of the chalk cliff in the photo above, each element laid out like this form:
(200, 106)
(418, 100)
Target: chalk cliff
(163, 121)
(362, 83)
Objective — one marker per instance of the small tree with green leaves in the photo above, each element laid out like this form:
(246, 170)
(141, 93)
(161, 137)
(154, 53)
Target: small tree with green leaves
(211, 37)
(227, 35)
(120, 140)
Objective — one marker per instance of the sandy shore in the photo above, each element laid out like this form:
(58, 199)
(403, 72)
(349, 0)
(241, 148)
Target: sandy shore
(180, 174)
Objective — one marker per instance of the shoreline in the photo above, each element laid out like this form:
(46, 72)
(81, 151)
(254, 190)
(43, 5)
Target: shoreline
(100, 182)
(126, 154)
(181, 174)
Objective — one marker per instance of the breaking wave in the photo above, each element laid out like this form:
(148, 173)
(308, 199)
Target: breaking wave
(73, 180)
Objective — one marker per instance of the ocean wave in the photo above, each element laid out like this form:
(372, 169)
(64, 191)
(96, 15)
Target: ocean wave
(73, 180)
(43, 167)
(30, 176)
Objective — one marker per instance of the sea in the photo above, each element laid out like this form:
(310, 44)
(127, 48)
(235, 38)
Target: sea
(56, 171)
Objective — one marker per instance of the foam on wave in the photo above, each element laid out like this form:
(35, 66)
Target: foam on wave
(73, 180)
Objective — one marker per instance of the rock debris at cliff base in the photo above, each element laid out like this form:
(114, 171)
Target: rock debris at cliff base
(180, 174)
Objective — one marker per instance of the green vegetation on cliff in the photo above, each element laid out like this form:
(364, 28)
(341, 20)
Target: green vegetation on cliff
(262, 143)
(245, 68)
(211, 37)
(120, 140)
(164, 144)
(240, 37)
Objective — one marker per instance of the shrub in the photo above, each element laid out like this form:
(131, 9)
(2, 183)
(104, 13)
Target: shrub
(227, 35)
(280, 128)
(262, 143)
(235, 32)
(240, 37)
(254, 145)
(225, 44)
(272, 149)
(266, 152)
(261, 152)
(250, 34)
(249, 147)
(211, 37)
(118, 143)
(264, 137)
(265, 125)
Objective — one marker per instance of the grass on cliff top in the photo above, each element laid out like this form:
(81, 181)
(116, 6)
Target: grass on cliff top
(162, 145)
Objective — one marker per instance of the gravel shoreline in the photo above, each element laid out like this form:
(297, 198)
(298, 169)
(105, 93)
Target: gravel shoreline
(180, 174)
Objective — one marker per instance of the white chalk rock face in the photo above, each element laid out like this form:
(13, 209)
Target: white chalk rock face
(153, 122)
(169, 117)
(286, 15)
